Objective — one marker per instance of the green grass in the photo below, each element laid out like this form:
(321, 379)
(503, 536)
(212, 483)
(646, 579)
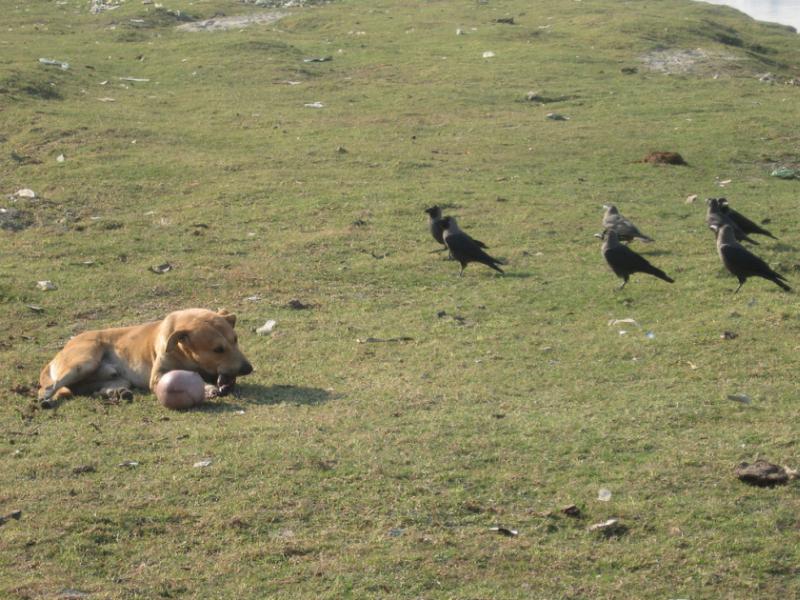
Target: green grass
(376, 469)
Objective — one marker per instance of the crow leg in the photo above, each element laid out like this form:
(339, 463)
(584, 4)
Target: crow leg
(741, 283)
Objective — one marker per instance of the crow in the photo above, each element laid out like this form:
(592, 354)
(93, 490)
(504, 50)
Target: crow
(716, 218)
(463, 248)
(742, 263)
(435, 226)
(624, 261)
(745, 224)
(626, 231)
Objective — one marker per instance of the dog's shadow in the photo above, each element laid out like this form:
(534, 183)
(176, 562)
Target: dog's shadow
(250, 393)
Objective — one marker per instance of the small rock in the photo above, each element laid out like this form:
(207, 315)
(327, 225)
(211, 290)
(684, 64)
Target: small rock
(764, 474)
(505, 531)
(267, 327)
(664, 158)
(743, 398)
(161, 269)
(46, 286)
(571, 511)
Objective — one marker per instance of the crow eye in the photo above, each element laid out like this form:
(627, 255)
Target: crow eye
(219, 349)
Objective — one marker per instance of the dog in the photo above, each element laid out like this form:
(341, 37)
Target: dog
(111, 362)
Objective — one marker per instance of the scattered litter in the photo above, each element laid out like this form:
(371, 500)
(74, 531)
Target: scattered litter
(79, 470)
(106, 99)
(25, 193)
(238, 412)
(489, 54)
(609, 526)
(691, 199)
(764, 474)
(318, 59)
(15, 515)
(664, 158)
(729, 335)
(650, 335)
(459, 31)
(99, 6)
(200, 464)
(133, 79)
(724, 182)
(255, 298)
(604, 495)
(692, 366)
(556, 117)
(162, 268)
(60, 158)
(623, 332)
(786, 173)
(46, 285)
(314, 105)
(743, 398)
(129, 464)
(292, 82)
(571, 511)
(267, 327)
(767, 77)
(298, 305)
(35, 308)
(56, 63)
(396, 532)
(630, 321)
(104, 82)
(505, 531)
(341, 150)
(373, 340)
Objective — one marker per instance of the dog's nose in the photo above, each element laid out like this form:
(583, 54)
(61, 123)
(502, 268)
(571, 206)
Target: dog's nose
(246, 369)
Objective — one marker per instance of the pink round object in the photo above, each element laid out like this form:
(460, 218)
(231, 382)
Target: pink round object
(180, 389)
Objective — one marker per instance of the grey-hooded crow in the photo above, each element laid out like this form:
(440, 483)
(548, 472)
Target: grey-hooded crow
(626, 231)
(742, 263)
(745, 224)
(463, 248)
(435, 226)
(625, 262)
(716, 218)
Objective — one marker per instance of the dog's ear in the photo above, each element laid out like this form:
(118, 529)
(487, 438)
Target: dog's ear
(175, 339)
(229, 317)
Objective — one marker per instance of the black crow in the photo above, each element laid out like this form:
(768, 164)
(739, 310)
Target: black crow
(624, 261)
(626, 231)
(745, 224)
(715, 219)
(742, 263)
(463, 248)
(434, 224)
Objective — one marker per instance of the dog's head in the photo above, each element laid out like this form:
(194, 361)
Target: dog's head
(204, 341)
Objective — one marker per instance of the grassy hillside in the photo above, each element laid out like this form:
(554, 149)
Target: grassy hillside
(376, 469)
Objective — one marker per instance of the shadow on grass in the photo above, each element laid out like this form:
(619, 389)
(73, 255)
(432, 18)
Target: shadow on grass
(517, 275)
(250, 393)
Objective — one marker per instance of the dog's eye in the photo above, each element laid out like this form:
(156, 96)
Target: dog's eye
(219, 349)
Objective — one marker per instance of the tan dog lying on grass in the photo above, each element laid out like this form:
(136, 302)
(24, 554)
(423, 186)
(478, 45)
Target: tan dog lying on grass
(113, 361)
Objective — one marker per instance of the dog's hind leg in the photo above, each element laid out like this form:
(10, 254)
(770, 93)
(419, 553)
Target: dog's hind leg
(75, 363)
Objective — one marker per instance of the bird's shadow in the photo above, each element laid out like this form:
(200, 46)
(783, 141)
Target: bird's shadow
(781, 247)
(251, 393)
(518, 274)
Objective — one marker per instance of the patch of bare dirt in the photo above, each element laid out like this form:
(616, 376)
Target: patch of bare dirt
(680, 61)
(235, 22)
